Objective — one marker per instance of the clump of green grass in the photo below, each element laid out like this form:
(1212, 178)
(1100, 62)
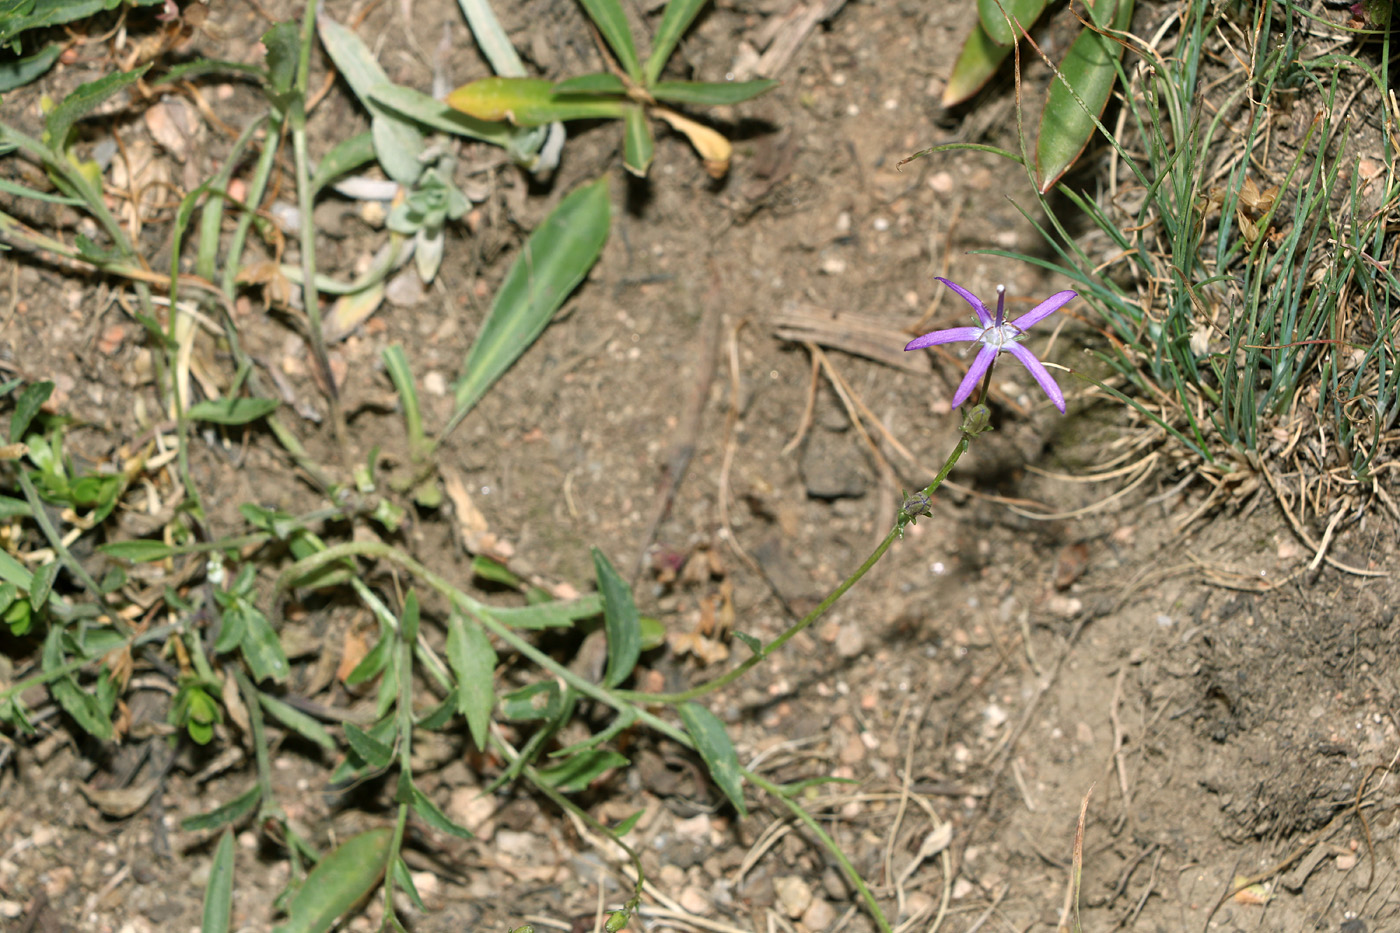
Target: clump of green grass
(1242, 281)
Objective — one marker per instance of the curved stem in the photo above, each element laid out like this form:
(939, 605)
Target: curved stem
(905, 518)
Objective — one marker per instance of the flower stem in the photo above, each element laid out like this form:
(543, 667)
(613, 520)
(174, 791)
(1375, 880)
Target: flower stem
(905, 518)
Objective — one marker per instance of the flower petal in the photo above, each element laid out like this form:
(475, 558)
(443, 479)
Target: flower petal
(1043, 310)
(975, 372)
(1041, 374)
(952, 335)
(983, 314)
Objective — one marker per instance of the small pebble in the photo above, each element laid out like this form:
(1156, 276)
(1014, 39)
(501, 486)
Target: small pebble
(819, 916)
(694, 901)
(794, 895)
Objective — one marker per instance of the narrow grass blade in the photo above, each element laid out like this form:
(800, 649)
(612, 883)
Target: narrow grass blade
(20, 16)
(375, 753)
(611, 21)
(714, 746)
(491, 38)
(620, 621)
(674, 22)
(473, 662)
(638, 146)
(999, 18)
(1088, 73)
(530, 102)
(710, 93)
(977, 62)
(554, 260)
(338, 882)
(218, 896)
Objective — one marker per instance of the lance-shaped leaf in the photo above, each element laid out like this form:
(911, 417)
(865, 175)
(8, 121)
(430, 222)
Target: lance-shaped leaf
(397, 142)
(218, 894)
(1090, 68)
(436, 115)
(714, 746)
(473, 661)
(674, 22)
(530, 102)
(1000, 18)
(638, 146)
(611, 21)
(620, 621)
(977, 62)
(338, 882)
(83, 101)
(710, 93)
(553, 261)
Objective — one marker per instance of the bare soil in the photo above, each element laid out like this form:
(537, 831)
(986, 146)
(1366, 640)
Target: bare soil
(1222, 704)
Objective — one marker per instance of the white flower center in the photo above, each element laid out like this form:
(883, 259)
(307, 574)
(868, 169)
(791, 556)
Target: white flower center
(1000, 336)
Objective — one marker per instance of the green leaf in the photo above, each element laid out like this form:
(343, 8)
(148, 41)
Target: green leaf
(624, 721)
(620, 621)
(637, 143)
(262, 649)
(21, 71)
(17, 16)
(338, 882)
(44, 576)
(226, 815)
(10, 187)
(717, 751)
(218, 894)
(373, 663)
(625, 827)
(977, 62)
(408, 619)
(201, 67)
(27, 406)
(553, 261)
(710, 93)
(77, 702)
(436, 115)
(83, 101)
(473, 663)
(578, 772)
(674, 22)
(397, 142)
(429, 813)
(1091, 68)
(530, 102)
(653, 632)
(993, 16)
(294, 719)
(753, 644)
(549, 615)
(375, 753)
(346, 156)
(231, 410)
(533, 702)
(399, 874)
(138, 550)
(601, 82)
(283, 48)
(611, 21)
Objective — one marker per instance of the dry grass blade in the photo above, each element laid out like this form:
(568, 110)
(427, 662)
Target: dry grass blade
(1076, 871)
(1302, 533)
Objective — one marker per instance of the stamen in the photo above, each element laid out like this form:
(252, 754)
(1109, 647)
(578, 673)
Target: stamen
(1001, 304)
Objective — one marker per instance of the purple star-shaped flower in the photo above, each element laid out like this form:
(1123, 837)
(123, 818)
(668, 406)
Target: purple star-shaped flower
(995, 335)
